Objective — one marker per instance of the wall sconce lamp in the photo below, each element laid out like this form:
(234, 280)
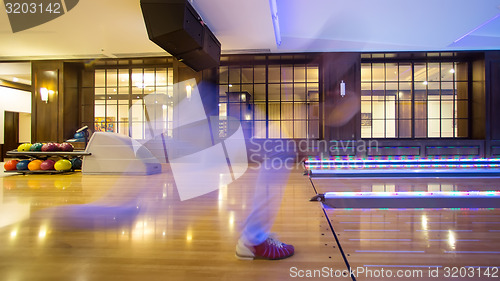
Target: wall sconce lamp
(342, 89)
(44, 94)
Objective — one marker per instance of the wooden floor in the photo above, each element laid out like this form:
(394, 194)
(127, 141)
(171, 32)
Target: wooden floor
(94, 227)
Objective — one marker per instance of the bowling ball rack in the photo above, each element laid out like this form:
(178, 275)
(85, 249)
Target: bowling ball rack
(43, 155)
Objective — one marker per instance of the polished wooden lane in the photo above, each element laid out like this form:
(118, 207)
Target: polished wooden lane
(75, 227)
(418, 242)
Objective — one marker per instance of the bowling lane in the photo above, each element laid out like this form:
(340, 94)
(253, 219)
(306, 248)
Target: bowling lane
(419, 241)
(85, 227)
(416, 241)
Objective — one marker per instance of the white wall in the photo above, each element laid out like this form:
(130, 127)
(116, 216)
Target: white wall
(12, 100)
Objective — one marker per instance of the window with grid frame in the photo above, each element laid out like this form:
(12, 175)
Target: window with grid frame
(120, 105)
(414, 100)
(272, 100)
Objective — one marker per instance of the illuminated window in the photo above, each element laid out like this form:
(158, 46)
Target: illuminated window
(129, 95)
(272, 99)
(414, 99)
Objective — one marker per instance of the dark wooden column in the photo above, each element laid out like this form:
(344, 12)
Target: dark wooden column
(339, 67)
(57, 119)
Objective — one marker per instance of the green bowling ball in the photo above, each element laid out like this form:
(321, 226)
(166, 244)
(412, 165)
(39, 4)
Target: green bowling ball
(36, 147)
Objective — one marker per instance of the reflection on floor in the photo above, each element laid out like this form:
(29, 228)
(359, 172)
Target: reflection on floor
(74, 227)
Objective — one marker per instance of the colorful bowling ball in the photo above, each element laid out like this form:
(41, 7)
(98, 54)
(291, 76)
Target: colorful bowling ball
(47, 165)
(24, 147)
(50, 147)
(36, 147)
(62, 165)
(23, 165)
(66, 147)
(79, 135)
(76, 163)
(10, 165)
(35, 165)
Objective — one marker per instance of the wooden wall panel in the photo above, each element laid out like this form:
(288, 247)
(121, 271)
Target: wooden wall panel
(339, 67)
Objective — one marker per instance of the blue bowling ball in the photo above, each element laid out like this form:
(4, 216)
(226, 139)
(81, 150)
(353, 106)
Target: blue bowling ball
(79, 135)
(22, 165)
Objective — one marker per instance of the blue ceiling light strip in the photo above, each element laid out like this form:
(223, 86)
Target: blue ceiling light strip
(276, 23)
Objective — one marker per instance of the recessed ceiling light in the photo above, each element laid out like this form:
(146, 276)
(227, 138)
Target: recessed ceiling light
(15, 79)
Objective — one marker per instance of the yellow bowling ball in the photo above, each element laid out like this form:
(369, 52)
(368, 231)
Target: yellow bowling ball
(35, 165)
(62, 165)
(24, 147)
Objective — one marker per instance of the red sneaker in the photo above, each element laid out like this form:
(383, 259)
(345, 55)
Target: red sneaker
(271, 249)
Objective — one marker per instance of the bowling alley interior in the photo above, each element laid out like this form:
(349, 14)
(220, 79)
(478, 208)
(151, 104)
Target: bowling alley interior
(141, 139)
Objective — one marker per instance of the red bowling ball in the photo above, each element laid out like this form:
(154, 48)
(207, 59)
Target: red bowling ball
(66, 147)
(47, 165)
(50, 147)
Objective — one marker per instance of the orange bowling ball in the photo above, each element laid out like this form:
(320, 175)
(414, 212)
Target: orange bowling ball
(35, 165)
(10, 165)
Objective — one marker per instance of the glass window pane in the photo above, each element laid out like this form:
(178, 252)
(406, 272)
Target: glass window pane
(300, 110)
(260, 111)
(312, 74)
(260, 74)
(420, 128)
(286, 73)
(274, 111)
(420, 72)
(300, 129)
(274, 92)
(299, 73)
(366, 72)
(378, 109)
(420, 109)
(378, 72)
(299, 92)
(433, 128)
(366, 107)
(247, 74)
(223, 75)
(287, 129)
(260, 129)
(390, 128)
(405, 73)
(378, 128)
(312, 91)
(404, 128)
(462, 130)
(391, 72)
(259, 92)
(405, 110)
(274, 129)
(462, 89)
(447, 71)
(462, 107)
(161, 77)
(447, 128)
(447, 110)
(433, 72)
(234, 75)
(100, 78)
(433, 109)
(149, 77)
(287, 111)
(274, 74)
(287, 92)
(112, 77)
